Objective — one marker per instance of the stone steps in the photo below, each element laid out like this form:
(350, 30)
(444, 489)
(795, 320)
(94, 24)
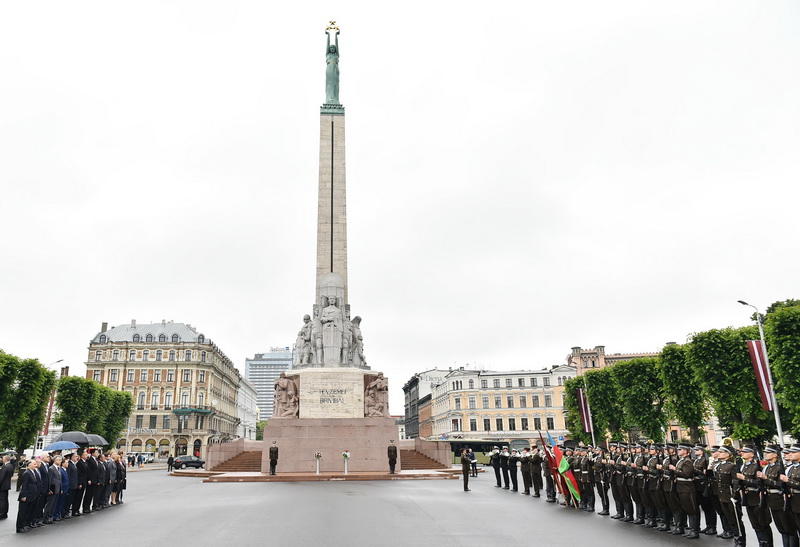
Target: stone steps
(245, 462)
(413, 460)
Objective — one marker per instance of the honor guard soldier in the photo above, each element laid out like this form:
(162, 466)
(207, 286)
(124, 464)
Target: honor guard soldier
(537, 461)
(391, 452)
(513, 461)
(504, 456)
(273, 457)
(792, 479)
(684, 487)
(586, 464)
(525, 470)
(726, 486)
(639, 483)
(674, 519)
(655, 495)
(702, 489)
(494, 460)
(751, 488)
(776, 495)
(466, 468)
(623, 503)
(602, 477)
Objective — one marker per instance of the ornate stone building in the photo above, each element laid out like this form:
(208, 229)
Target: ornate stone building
(481, 404)
(589, 359)
(183, 386)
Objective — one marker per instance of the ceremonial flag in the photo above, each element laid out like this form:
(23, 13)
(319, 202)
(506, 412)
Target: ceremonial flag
(758, 358)
(550, 439)
(586, 412)
(566, 472)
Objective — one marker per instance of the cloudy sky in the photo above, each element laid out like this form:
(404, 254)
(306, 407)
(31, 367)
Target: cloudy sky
(520, 179)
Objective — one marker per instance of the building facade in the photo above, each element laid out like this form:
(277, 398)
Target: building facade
(415, 389)
(591, 359)
(183, 386)
(262, 371)
(247, 406)
(486, 405)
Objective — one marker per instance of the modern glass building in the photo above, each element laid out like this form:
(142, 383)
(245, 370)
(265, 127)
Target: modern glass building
(262, 371)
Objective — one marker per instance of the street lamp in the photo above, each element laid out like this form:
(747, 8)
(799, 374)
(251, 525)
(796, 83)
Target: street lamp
(769, 372)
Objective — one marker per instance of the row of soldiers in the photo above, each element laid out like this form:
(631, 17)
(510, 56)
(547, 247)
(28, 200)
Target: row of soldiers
(667, 487)
(529, 463)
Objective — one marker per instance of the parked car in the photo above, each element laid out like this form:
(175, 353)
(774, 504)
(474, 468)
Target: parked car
(188, 461)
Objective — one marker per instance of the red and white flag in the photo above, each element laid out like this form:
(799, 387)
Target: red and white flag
(586, 412)
(758, 358)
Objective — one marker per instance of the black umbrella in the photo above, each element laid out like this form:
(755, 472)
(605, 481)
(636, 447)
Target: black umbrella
(96, 440)
(77, 437)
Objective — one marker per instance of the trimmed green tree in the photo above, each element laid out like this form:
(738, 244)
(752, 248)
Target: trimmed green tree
(120, 407)
(641, 390)
(572, 414)
(683, 397)
(25, 403)
(783, 345)
(76, 402)
(606, 403)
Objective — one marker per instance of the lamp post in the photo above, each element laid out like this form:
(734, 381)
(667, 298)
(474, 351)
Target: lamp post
(769, 373)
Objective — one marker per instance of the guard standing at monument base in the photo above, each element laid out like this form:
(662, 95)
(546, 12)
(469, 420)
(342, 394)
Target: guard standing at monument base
(495, 461)
(466, 467)
(391, 452)
(273, 457)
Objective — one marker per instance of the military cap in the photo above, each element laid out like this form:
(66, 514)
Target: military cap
(747, 449)
(699, 446)
(497, 447)
(672, 446)
(684, 447)
(715, 447)
(729, 449)
(773, 449)
(794, 448)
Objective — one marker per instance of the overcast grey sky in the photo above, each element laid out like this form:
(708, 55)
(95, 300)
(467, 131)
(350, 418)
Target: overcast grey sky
(521, 179)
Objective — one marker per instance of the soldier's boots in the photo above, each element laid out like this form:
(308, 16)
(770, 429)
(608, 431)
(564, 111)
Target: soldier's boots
(709, 531)
(726, 535)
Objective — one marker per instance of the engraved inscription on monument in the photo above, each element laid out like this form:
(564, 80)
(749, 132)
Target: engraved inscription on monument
(334, 393)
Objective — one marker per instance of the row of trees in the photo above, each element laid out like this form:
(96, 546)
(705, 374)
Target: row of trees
(25, 388)
(685, 383)
(85, 405)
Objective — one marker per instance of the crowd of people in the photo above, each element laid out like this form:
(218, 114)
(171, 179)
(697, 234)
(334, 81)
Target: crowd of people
(56, 487)
(667, 487)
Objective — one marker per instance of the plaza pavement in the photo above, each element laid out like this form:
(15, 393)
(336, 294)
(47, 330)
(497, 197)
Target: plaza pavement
(162, 510)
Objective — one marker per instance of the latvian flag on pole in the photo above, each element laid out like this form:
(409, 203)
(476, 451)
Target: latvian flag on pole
(586, 412)
(758, 358)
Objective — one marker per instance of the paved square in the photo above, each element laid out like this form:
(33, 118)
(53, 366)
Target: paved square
(162, 510)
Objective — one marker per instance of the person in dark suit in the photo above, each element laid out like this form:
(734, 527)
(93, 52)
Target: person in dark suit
(513, 461)
(122, 474)
(53, 489)
(72, 476)
(473, 461)
(536, 474)
(170, 461)
(504, 455)
(91, 480)
(43, 477)
(391, 451)
(102, 480)
(273, 457)
(111, 476)
(494, 459)
(6, 470)
(525, 470)
(466, 468)
(80, 484)
(28, 498)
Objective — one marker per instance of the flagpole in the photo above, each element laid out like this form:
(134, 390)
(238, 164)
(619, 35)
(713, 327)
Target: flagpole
(588, 409)
(769, 374)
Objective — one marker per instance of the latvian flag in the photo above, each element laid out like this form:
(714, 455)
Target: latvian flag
(758, 358)
(586, 412)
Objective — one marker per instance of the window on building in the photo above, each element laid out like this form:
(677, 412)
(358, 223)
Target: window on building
(113, 375)
(548, 400)
(512, 424)
(96, 375)
(510, 401)
(487, 424)
(484, 384)
(137, 338)
(534, 382)
(592, 363)
(520, 382)
(535, 401)
(485, 401)
(157, 375)
(148, 338)
(550, 423)
(98, 355)
(140, 400)
(537, 424)
(167, 423)
(203, 356)
(132, 355)
(560, 379)
(471, 384)
(509, 382)
(162, 337)
(139, 421)
(524, 424)
(523, 401)
(472, 401)
(170, 376)
(201, 339)
(185, 398)
(498, 422)
(496, 383)
(154, 401)
(130, 375)
(143, 375)
(201, 376)
(159, 354)
(498, 401)
(455, 424)
(187, 375)
(187, 355)
(175, 339)
(168, 401)
(473, 424)
(546, 381)
(172, 355)
(115, 355)
(103, 339)
(458, 403)
(153, 419)
(201, 398)
(146, 355)
(673, 435)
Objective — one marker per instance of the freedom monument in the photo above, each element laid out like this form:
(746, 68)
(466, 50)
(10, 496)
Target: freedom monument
(331, 401)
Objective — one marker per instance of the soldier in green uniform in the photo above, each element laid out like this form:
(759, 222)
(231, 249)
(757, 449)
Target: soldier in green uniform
(466, 468)
(525, 470)
(675, 520)
(702, 489)
(587, 480)
(602, 477)
(633, 481)
(792, 479)
(684, 487)
(751, 487)
(776, 495)
(536, 476)
(513, 461)
(630, 482)
(726, 486)
(641, 483)
(654, 493)
(574, 465)
(624, 503)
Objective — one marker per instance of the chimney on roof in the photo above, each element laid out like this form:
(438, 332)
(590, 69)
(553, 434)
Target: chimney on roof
(104, 327)
(163, 322)
(133, 323)
(671, 344)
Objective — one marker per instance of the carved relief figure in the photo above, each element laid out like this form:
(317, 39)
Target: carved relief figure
(316, 337)
(302, 355)
(376, 397)
(287, 401)
(332, 328)
(358, 343)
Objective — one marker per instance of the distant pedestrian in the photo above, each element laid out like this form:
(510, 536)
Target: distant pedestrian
(473, 462)
(466, 467)
(6, 470)
(170, 461)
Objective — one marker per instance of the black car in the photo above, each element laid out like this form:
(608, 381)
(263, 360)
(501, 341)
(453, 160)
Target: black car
(188, 461)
